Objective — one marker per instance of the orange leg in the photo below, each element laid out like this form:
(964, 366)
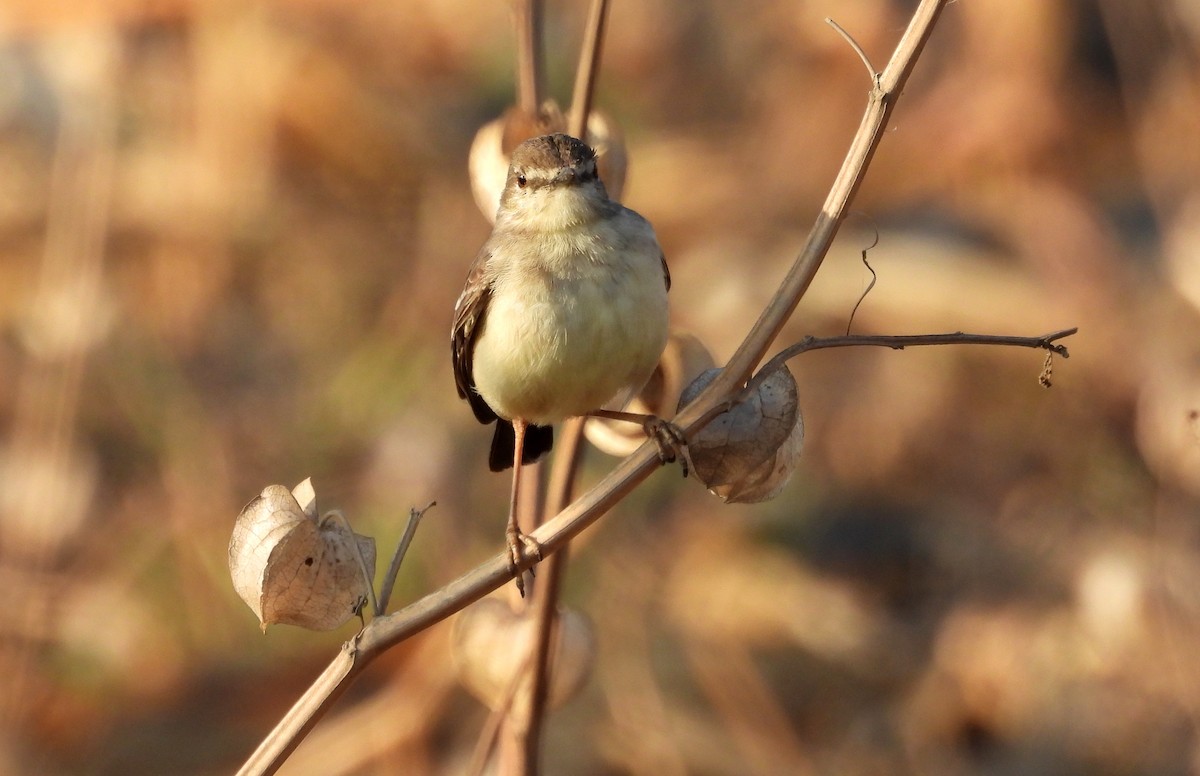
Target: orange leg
(517, 541)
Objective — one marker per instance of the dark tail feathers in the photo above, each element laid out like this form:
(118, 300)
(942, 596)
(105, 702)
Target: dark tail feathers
(538, 441)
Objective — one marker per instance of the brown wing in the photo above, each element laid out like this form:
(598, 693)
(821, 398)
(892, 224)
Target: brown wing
(469, 314)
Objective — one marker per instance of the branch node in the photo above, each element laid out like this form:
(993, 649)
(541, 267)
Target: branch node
(350, 647)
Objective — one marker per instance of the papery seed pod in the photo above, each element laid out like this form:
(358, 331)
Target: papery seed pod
(1167, 423)
(605, 137)
(494, 142)
(683, 359)
(491, 643)
(748, 453)
(293, 568)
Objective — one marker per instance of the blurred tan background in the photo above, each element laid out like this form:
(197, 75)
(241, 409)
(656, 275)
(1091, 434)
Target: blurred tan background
(231, 237)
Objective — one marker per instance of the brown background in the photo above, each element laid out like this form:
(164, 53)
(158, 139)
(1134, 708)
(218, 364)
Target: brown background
(231, 236)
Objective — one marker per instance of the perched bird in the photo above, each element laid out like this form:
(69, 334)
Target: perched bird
(564, 310)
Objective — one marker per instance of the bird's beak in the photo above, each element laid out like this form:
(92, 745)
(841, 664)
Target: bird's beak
(565, 175)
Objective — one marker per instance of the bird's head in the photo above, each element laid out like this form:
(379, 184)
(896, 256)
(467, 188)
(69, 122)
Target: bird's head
(552, 182)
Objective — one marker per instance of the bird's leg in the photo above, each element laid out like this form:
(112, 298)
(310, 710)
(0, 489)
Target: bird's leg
(518, 541)
(667, 437)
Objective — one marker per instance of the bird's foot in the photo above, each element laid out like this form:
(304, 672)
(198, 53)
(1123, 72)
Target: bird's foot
(669, 439)
(520, 544)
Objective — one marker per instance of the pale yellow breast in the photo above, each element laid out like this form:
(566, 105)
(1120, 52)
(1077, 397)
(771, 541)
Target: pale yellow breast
(572, 325)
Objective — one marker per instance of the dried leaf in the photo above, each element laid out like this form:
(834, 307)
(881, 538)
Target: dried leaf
(749, 453)
(491, 644)
(295, 569)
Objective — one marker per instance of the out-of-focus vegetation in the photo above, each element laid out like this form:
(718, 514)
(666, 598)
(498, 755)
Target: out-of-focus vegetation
(231, 237)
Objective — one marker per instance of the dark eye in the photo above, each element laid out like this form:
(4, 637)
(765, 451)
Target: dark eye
(521, 180)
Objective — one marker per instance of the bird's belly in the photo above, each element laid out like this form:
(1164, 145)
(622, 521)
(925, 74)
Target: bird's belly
(553, 348)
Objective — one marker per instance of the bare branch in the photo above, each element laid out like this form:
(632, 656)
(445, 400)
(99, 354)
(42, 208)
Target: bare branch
(305, 713)
(546, 594)
(569, 454)
(901, 341)
(872, 73)
(881, 100)
(389, 579)
(527, 16)
(585, 73)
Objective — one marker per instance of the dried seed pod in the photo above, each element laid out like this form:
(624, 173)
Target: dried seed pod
(1168, 419)
(683, 359)
(748, 453)
(492, 644)
(294, 568)
(495, 141)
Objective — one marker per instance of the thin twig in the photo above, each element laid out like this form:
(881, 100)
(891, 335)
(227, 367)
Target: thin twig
(545, 591)
(566, 466)
(489, 735)
(568, 455)
(902, 341)
(528, 21)
(303, 715)
(390, 629)
(893, 341)
(545, 601)
(389, 579)
(885, 90)
(872, 73)
(589, 66)
(871, 285)
(570, 448)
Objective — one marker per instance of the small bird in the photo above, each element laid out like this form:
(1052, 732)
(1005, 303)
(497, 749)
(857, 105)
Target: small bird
(564, 310)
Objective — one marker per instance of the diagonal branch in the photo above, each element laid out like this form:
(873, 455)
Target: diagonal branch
(885, 90)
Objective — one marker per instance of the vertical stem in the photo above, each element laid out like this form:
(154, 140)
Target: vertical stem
(589, 66)
(569, 454)
(546, 594)
(528, 19)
